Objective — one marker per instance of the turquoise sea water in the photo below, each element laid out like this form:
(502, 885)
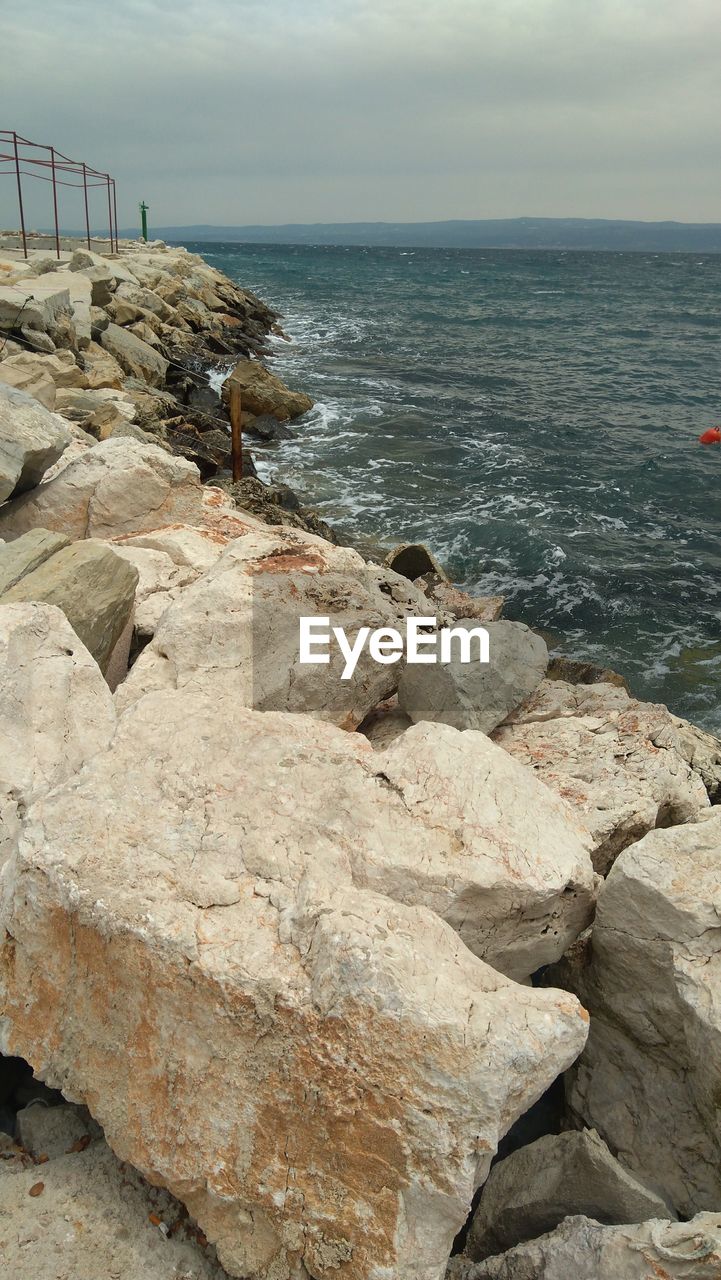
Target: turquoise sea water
(533, 416)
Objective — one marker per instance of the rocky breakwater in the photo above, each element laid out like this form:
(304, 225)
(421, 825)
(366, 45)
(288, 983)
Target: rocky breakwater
(312, 954)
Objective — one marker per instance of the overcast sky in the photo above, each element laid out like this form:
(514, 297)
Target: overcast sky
(271, 111)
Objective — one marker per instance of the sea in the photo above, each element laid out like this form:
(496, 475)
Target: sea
(534, 418)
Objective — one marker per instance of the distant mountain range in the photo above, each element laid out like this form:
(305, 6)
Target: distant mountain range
(500, 233)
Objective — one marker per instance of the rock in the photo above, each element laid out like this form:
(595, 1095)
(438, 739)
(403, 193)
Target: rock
(237, 630)
(79, 292)
(31, 440)
(94, 587)
(651, 1078)
(476, 695)
(321, 1072)
(38, 304)
(119, 486)
(385, 723)
(145, 300)
(26, 373)
(584, 1249)
(160, 582)
(124, 312)
(96, 1220)
(97, 412)
(99, 322)
(26, 554)
(574, 672)
(522, 887)
(625, 765)
(559, 1176)
(266, 427)
(50, 1131)
(37, 340)
(55, 708)
(458, 603)
(194, 548)
(101, 369)
(262, 393)
(414, 560)
(136, 357)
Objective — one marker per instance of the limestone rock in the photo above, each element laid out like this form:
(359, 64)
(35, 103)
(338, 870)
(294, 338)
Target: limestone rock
(461, 605)
(625, 765)
(119, 486)
(160, 582)
(31, 440)
(101, 369)
(586, 1250)
(385, 723)
(559, 1176)
(50, 1131)
(136, 357)
(261, 392)
(320, 1073)
(94, 587)
(651, 1078)
(55, 709)
(79, 292)
(237, 630)
(27, 373)
(95, 1219)
(475, 695)
(38, 304)
(27, 553)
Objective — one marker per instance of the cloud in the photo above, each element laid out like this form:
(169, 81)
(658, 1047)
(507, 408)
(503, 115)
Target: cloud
(241, 111)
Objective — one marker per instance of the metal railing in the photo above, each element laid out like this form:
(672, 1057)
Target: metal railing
(22, 158)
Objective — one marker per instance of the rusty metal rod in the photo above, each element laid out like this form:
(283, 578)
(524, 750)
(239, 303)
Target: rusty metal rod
(20, 195)
(236, 432)
(55, 202)
(87, 211)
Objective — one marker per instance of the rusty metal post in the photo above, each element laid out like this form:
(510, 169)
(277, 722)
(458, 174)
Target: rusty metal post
(55, 200)
(85, 193)
(236, 433)
(20, 195)
(110, 215)
(115, 213)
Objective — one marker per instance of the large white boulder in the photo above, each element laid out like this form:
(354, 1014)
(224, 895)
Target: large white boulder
(137, 358)
(650, 1080)
(320, 1073)
(627, 766)
(237, 630)
(56, 711)
(476, 695)
(119, 486)
(31, 440)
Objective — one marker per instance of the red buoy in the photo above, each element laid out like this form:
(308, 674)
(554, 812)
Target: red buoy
(712, 436)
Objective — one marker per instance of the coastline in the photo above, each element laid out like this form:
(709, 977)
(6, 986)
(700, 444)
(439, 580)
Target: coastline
(309, 948)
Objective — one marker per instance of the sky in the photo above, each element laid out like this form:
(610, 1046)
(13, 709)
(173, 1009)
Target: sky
(274, 111)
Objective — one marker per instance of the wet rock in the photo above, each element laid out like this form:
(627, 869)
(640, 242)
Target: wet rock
(476, 695)
(31, 440)
(584, 1249)
(574, 672)
(55, 708)
(266, 427)
(263, 393)
(560, 1175)
(309, 1124)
